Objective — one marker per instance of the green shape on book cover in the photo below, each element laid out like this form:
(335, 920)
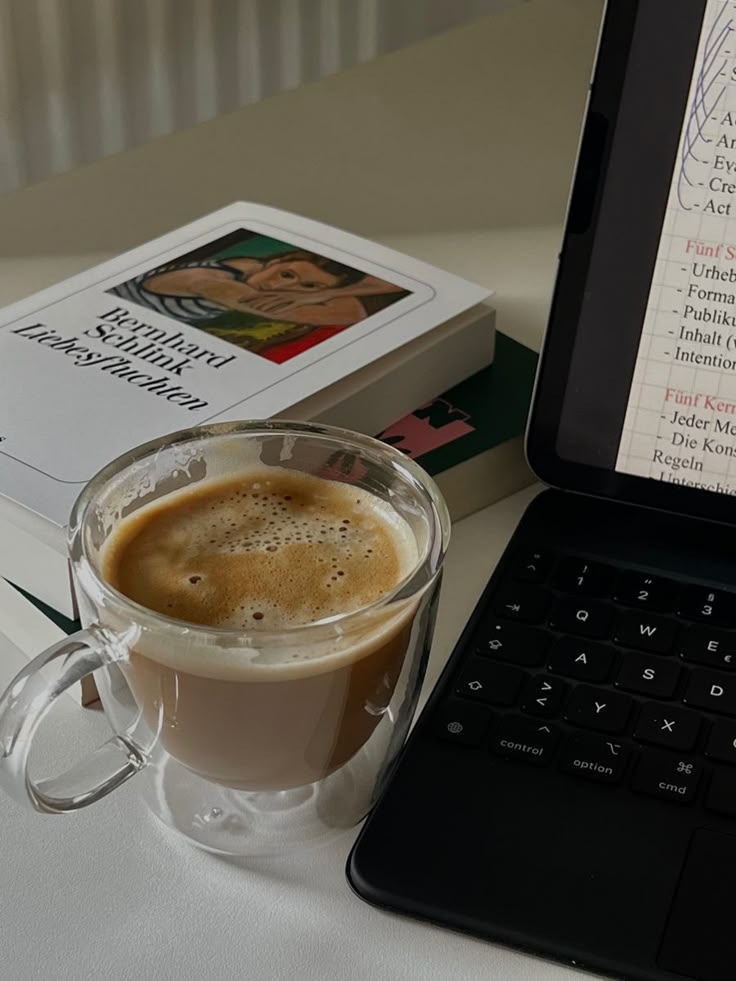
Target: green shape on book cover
(64, 623)
(485, 410)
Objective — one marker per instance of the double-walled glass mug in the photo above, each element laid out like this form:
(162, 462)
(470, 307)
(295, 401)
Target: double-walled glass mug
(244, 740)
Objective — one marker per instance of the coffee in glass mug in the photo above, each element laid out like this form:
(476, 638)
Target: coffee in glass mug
(258, 601)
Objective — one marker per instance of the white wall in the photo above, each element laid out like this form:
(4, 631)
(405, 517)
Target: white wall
(84, 78)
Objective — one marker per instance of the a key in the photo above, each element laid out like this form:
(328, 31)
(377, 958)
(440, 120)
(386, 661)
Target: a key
(532, 566)
(646, 592)
(528, 740)
(597, 708)
(709, 645)
(587, 618)
(462, 722)
(647, 674)
(668, 726)
(582, 577)
(711, 690)
(721, 796)
(543, 696)
(646, 632)
(485, 681)
(667, 776)
(581, 659)
(714, 606)
(512, 642)
(529, 604)
(722, 742)
(594, 758)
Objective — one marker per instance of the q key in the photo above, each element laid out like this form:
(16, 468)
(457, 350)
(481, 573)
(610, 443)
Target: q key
(588, 618)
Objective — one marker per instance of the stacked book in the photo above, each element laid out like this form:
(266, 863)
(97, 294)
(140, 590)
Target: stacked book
(249, 312)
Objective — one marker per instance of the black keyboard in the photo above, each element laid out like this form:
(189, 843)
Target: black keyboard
(609, 674)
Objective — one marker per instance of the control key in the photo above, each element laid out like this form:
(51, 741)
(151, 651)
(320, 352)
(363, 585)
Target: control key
(531, 741)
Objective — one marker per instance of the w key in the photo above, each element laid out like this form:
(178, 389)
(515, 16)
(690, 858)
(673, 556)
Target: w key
(646, 631)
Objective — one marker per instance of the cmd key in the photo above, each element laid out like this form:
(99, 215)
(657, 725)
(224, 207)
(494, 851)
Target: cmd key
(667, 776)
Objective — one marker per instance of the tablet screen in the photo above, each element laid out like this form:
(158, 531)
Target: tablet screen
(641, 351)
(680, 419)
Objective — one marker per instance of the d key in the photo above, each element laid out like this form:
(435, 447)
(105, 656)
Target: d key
(712, 690)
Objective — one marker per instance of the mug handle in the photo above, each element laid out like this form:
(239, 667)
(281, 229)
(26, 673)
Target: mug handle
(23, 706)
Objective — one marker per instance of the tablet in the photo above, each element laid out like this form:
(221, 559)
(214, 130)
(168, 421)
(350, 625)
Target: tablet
(636, 395)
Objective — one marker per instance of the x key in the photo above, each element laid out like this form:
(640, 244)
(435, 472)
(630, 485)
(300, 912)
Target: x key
(664, 725)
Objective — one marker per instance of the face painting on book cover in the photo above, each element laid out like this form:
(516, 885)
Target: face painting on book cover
(263, 295)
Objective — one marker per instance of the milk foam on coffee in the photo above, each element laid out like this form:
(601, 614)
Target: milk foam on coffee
(260, 549)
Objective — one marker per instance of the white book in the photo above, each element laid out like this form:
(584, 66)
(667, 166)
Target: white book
(247, 313)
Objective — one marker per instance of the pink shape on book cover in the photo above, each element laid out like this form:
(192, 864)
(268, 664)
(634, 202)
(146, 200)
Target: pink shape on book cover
(432, 425)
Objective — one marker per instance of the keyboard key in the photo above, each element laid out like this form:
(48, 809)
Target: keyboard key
(596, 708)
(711, 690)
(646, 674)
(594, 758)
(722, 743)
(668, 777)
(525, 740)
(582, 659)
(721, 795)
(583, 578)
(543, 696)
(646, 632)
(462, 722)
(513, 642)
(647, 592)
(532, 566)
(526, 603)
(494, 684)
(588, 618)
(713, 606)
(709, 645)
(665, 725)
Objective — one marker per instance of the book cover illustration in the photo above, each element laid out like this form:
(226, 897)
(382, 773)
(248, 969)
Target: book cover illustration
(264, 295)
(474, 416)
(240, 314)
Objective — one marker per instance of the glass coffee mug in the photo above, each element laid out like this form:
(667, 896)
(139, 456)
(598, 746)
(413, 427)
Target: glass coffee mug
(246, 741)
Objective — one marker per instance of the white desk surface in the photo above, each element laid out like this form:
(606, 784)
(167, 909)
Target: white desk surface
(462, 154)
